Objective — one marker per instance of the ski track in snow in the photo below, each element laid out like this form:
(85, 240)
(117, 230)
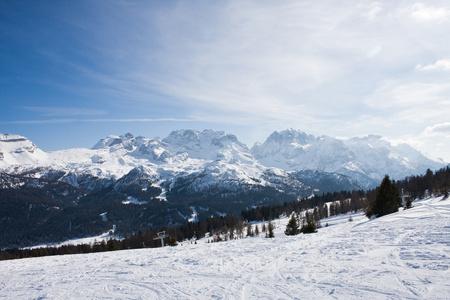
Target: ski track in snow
(399, 256)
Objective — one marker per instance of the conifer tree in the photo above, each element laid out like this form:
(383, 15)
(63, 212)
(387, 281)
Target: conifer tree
(309, 227)
(172, 241)
(292, 227)
(270, 230)
(111, 245)
(387, 199)
(249, 230)
(231, 233)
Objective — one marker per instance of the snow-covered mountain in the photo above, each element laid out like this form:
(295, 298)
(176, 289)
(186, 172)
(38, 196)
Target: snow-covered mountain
(216, 158)
(18, 150)
(365, 159)
(136, 182)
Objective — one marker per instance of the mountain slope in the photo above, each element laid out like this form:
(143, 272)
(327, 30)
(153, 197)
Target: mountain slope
(399, 256)
(366, 159)
(17, 150)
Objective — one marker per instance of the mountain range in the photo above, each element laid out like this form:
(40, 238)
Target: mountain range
(136, 182)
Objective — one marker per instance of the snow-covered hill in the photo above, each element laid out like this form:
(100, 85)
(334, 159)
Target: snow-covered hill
(365, 159)
(399, 256)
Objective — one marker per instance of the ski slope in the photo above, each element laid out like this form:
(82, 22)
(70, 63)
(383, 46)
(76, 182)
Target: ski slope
(400, 256)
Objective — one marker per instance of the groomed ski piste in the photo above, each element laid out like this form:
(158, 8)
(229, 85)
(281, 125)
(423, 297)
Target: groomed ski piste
(405, 255)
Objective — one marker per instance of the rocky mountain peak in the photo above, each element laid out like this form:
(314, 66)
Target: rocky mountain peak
(18, 150)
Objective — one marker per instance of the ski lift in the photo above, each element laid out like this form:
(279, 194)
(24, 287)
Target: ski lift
(161, 236)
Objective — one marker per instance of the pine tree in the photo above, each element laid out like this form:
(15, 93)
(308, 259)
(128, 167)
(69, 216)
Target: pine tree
(249, 230)
(309, 227)
(387, 199)
(270, 230)
(292, 227)
(256, 230)
(231, 233)
(172, 241)
(111, 245)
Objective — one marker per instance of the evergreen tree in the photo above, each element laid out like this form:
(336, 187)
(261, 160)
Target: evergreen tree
(387, 199)
(249, 230)
(111, 245)
(172, 241)
(292, 227)
(408, 203)
(309, 227)
(256, 230)
(231, 233)
(270, 230)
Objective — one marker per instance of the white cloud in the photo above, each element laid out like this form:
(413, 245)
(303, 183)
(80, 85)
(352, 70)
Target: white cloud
(440, 65)
(326, 67)
(64, 111)
(374, 51)
(442, 129)
(424, 13)
(374, 9)
(118, 120)
(405, 95)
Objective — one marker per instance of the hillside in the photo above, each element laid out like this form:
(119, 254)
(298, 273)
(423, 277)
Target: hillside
(399, 256)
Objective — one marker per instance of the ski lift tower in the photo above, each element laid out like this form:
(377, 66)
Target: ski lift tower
(161, 235)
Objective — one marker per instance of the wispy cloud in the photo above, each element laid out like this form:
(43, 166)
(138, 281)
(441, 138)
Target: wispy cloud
(440, 65)
(64, 111)
(425, 13)
(374, 9)
(261, 59)
(442, 129)
(337, 68)
(63, 121)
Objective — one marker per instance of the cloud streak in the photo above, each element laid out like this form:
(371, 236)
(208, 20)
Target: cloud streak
(64, 121)
(442, 129)
(440, 65)
(64, 111)
(425, 13)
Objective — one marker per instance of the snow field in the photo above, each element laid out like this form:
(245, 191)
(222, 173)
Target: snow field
(399, 256)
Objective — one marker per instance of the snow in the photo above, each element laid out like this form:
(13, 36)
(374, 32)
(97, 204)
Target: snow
(132, 200)
(194, 215)
(18, 150)
(86, 240)
(399, 256)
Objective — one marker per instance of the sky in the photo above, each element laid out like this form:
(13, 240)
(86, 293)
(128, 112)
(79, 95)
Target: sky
(73, 72)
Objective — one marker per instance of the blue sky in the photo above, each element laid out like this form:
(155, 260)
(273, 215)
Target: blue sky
(73, 72)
